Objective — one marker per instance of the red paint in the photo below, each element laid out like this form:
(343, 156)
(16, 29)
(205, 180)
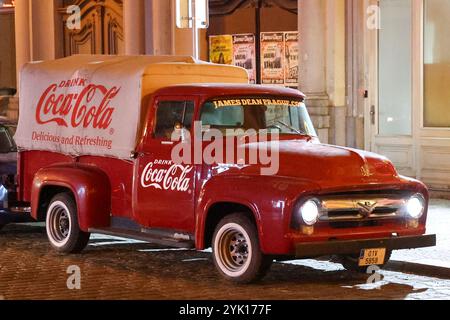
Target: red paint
(104, 185)
(88, 184)
(53, 107)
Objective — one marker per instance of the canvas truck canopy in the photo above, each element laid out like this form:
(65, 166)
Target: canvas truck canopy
(93, 105)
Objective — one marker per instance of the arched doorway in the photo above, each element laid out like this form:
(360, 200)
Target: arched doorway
(101, 27)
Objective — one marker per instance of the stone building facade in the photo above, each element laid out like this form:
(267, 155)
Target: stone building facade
(375, 72)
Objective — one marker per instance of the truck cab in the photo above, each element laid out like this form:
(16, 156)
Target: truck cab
(216, 164)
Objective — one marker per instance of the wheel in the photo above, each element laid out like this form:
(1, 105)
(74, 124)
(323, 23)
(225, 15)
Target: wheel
(236, 250)
(62, 226)
(351, 262)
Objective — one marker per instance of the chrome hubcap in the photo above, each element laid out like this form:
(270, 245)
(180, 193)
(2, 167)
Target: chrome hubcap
(233, 249)
(59, 223)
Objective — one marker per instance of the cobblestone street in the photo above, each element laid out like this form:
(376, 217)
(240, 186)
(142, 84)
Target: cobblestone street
(114, 268)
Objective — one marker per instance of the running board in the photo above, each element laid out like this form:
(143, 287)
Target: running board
(147, 237)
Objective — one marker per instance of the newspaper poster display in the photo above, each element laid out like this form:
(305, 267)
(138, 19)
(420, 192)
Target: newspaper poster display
(291, 66)
(278, 56)
(221, 49)
(272, 58)
(244, 54)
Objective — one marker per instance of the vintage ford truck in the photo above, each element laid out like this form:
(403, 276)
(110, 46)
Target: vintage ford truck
(96, 140)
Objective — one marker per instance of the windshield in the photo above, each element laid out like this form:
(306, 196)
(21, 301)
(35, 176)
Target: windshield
(280, 115)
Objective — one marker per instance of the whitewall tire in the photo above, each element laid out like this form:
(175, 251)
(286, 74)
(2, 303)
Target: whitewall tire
(236, 250)
(62, 226)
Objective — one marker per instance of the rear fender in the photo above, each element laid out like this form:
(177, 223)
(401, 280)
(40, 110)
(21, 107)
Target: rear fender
(89, 186)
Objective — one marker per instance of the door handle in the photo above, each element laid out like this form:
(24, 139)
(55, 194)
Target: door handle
(136, 155)
(372, 114)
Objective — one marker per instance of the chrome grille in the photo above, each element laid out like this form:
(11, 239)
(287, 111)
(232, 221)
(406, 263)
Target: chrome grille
(357, 208)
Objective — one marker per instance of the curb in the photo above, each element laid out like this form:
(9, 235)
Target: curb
(418, 269)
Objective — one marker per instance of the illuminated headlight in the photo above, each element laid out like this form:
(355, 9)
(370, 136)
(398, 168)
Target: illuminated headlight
(415, 207)
(310, 212)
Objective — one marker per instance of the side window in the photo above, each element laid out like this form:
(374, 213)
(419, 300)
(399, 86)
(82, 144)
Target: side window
(171, 113)
(6, 141)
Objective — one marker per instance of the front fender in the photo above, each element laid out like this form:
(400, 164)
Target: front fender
(90, 187)
(271, 200)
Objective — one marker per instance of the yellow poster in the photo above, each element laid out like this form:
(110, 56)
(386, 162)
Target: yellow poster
(221, 49)
(291, 59)
(272, 58)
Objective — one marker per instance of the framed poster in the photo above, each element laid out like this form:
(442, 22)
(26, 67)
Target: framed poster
(221, 49)
(272, 58)
(291, 66)
(244, 54)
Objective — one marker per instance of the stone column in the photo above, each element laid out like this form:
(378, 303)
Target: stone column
(43, 29)
(312, 32)
(162, 35)
(35, 31)
(336, 69)
(322, 63)
(134, 26)
(159, 27)
(312, 62)
(23, 35)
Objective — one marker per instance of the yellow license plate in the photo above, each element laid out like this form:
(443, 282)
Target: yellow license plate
(370, 257)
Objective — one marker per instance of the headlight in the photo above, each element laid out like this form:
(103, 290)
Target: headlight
(310, 212)
(415, 207)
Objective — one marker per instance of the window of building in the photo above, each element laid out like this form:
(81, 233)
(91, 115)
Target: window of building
(7, 48)
(395, 68)
(437, 64)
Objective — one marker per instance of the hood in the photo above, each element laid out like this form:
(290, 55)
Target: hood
(327, 166)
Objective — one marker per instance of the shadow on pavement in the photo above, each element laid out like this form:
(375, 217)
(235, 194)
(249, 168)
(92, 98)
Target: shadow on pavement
(419, 269)
(117, 269)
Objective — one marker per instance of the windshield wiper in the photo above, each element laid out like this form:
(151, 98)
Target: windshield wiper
(292, 128)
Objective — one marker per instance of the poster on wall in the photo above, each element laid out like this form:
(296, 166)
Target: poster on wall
(272, 58)
(244, 54)
(221, 49)
(291, 66)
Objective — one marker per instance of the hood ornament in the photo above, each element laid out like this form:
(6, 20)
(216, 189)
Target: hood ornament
(367, 207)
(365, 171)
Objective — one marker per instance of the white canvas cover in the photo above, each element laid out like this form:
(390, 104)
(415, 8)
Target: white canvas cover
(91, 105)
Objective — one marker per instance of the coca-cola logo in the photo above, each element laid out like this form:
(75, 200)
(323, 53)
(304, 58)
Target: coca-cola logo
(88, 108)
(175, 178)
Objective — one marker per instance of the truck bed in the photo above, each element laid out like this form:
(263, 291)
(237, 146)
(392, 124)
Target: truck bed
(120, 173)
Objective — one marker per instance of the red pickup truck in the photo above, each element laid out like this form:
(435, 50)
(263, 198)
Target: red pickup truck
(99, 137)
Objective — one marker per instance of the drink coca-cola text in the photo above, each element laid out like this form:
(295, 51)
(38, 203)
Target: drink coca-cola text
(77, 110)
(175, 178)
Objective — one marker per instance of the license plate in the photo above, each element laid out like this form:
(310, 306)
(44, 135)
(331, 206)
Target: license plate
(370, 257)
